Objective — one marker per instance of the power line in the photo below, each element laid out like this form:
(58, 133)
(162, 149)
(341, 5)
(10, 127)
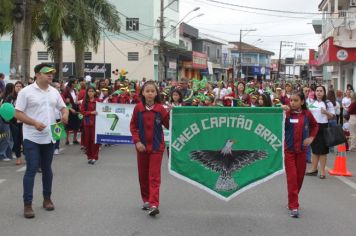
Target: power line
(252, 12)
(256, 23)
(118, 49)
(264, 9)
(255, 35)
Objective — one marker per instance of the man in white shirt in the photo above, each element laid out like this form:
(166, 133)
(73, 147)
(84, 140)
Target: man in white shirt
(35, 107)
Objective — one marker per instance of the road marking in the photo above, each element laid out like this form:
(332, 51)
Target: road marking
(345, 180)
(21, 169)
(2, 181)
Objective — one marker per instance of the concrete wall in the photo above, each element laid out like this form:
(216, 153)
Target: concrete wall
(5, 54)
(136, 69)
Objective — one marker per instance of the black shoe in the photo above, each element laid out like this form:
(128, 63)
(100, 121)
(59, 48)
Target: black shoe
(322, 176)
(153, 211)
(93, 162)
(75, 142)
(39, 170)
(312, 173)
(67, 143)
(145, 206)
(294, 213)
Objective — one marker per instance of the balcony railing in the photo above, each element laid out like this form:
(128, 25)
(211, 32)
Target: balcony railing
(333, 21)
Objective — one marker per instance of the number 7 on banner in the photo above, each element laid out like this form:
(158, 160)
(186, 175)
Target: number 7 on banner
(116, 119)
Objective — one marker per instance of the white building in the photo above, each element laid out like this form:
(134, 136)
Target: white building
(337, 51)
(135, 49)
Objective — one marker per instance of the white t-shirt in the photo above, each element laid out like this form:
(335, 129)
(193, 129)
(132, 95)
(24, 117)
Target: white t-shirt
(315, 109)
(346, 126)
(223, 93)
(39, 105)
(346, 102)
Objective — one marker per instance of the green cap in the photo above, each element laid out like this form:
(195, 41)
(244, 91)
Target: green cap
(47, 70)
(118, 92)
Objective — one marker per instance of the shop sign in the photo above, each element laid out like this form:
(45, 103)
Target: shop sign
(342, 55)
(199, 60)
(329, 53)
(172, 65)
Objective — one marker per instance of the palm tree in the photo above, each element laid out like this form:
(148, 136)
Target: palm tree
(6, 19)
(52, 29)
(81, 21)
(86, 24)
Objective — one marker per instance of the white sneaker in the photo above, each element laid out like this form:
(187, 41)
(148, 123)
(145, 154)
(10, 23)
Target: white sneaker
(6, 159)
(56, 152)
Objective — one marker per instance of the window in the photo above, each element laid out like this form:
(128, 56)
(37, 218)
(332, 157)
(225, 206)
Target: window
(217, 53)
(155, 57)
(87, 56)
(208, 50)
(174, 32)
(173, 4)
(132, 24)
(247, 60)
(132, 56)
(42, 56)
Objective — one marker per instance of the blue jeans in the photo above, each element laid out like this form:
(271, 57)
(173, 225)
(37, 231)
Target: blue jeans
(37, 154)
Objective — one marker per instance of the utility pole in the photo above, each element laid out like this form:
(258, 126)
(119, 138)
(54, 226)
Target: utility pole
(104, 54)
(279, 60)
(239, 72)
(161, 60)
(297, 47)
(282, 44)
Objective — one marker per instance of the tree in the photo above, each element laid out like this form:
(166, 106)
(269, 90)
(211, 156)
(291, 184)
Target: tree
(6, 20)
(81, 21)
(52, 29)
(89, 19)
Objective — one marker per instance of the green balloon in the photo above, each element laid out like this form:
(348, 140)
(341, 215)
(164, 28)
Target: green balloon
(7, 111)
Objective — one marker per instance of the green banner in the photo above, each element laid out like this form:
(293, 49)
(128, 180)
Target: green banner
(58, 131)
(226, 151)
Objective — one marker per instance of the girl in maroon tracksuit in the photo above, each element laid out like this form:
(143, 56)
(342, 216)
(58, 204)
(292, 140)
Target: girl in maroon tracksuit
(300, 131)
(89, 112)
(147, 134)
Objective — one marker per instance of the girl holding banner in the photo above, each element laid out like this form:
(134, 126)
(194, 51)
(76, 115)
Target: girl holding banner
(300, 131)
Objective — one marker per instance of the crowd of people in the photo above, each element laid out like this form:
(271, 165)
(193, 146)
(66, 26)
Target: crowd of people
(74, 103)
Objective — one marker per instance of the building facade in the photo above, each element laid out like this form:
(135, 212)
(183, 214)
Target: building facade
(255, 62)
(134, 49)
(337, 50)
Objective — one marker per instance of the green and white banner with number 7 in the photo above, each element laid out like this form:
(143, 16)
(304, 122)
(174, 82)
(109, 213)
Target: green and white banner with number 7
(112, 124)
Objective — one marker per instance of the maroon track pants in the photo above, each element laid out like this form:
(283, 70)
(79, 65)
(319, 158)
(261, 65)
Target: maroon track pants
(149, 174)
(295, 164)
(92, 149)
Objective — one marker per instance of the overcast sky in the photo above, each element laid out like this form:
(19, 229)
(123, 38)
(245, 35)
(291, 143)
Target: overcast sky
(225, 23)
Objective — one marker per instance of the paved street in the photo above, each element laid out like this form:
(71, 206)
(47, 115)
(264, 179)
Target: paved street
(104, 200)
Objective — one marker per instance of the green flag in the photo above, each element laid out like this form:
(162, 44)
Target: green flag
(58, 131)
(226, 151)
